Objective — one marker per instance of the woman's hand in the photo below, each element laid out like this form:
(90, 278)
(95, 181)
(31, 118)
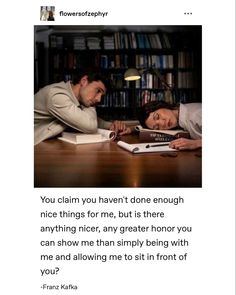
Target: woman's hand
(186, 144)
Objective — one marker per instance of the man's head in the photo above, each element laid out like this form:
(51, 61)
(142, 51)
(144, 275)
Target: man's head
(89, 88)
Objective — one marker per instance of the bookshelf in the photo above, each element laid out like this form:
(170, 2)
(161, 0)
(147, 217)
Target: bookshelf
(174, 50)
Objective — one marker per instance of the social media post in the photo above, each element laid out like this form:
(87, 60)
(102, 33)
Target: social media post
(143, 238)
(104, 217)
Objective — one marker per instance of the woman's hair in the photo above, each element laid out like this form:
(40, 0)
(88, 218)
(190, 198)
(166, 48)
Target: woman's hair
(93, 75)
(150, 107)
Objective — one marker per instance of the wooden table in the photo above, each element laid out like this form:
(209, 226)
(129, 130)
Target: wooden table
(60, 164)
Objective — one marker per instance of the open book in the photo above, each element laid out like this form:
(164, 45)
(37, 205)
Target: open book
(150, 135)
(146, 147)
(102, 135)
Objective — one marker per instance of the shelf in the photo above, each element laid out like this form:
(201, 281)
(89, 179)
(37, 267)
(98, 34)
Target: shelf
(175, 54)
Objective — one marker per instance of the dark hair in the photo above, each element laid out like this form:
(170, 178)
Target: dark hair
(93, 75)
(150, 107)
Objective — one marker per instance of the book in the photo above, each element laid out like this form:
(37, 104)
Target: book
(145, 147)
(149, 135)
(102, 135)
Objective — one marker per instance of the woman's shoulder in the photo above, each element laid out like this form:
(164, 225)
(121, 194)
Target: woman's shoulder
(191, 107)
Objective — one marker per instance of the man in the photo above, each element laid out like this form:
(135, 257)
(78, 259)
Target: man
(61, 105)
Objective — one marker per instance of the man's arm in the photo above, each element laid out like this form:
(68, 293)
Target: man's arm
(103, 124)
(83, 119)
(118, 126)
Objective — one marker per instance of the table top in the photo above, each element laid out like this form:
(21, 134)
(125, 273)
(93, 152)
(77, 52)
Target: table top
(61, 164)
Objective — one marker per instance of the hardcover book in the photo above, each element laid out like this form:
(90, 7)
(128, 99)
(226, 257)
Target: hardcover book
(102, 135)
(148, 135)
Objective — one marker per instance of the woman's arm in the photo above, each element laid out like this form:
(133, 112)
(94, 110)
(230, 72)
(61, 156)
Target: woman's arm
(186, 144)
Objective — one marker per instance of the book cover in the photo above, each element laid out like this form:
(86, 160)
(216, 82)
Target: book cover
(148, 135)
(145, 147)
(102, 135)
(145, 136)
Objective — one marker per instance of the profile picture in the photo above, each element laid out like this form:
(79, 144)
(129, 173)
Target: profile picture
(47, 13)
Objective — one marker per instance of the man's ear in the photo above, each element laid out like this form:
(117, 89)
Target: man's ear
(84, 81)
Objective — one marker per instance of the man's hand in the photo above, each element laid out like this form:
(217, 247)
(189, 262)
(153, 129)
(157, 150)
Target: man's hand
(120, 128)
(186, 144)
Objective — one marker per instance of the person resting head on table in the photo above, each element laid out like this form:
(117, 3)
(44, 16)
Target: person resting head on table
(72, 104)
(163, 116)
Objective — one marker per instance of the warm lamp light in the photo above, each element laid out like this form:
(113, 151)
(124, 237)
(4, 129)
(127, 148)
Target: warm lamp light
(132, 75)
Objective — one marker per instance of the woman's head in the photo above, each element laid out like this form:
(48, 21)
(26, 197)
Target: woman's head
(159, 115)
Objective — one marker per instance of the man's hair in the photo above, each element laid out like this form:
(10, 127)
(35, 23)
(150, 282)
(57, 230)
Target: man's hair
(150, 107)
(93, 75)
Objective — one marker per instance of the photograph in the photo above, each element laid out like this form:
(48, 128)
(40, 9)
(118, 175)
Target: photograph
(118, 106)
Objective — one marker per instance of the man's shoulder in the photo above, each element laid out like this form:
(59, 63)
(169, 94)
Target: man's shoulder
(61, 92)
(61, 89)
(53, 87)
(60, 86)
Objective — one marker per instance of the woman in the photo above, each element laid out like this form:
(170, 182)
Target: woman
(50, 16)
(160, 115)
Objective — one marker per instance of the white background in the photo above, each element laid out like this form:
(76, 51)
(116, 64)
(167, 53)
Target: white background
(210, 210)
